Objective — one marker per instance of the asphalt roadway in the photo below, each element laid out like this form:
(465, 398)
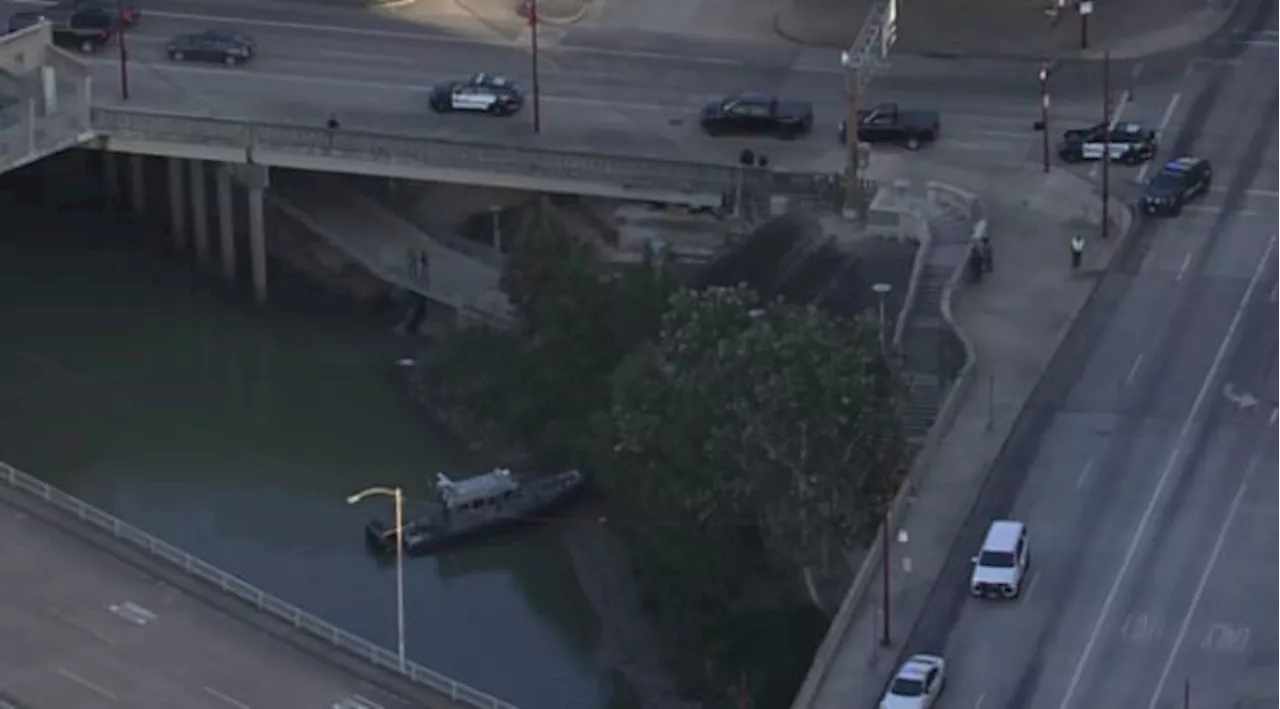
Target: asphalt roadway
(602, 90)
(84, 629)
(1145, 462)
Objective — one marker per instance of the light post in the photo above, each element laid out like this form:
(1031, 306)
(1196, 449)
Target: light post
(882, 290)
(398, 495)
(533, 56)
(496, 212)
(124, 53)
(1044, 112)
(1109, 121)
(852, 81)
(1086, 9)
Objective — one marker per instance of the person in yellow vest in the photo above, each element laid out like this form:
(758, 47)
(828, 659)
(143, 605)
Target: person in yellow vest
(1077, 250)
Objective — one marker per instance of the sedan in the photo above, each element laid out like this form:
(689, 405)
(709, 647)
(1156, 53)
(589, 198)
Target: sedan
(917, 684)
(221, 46)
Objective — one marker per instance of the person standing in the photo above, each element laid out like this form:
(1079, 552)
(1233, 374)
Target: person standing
(424, 268)
(988, 261)
(1077, 251)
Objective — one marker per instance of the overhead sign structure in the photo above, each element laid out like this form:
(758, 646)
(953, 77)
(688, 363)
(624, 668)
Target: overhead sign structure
(889, 30)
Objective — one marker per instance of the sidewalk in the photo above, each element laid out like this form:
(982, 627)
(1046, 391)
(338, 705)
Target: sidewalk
(1014, 29)
(1014, 321)
(384, 244)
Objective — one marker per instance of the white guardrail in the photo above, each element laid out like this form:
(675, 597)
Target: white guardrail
(256, 597)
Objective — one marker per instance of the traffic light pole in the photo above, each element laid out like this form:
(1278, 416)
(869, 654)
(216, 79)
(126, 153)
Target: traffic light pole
(533, 54)
(869, 47)
(1044, 112)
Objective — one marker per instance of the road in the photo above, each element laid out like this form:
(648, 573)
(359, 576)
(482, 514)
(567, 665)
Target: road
(602, 90)
(1145, 462)
(86, 630)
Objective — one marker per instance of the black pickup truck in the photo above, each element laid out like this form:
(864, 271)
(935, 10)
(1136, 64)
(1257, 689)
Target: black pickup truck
(757, 114)
(887, 123)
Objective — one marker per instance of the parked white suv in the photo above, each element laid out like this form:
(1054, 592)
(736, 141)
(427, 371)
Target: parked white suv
(1001, 564)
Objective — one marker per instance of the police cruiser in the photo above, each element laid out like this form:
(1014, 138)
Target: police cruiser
(487, 93)
(1176, 183)
(1130, 143)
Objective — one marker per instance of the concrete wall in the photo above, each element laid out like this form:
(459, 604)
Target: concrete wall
(24, 51)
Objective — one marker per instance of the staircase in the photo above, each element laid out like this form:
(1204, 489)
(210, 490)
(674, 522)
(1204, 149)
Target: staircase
(44, 98)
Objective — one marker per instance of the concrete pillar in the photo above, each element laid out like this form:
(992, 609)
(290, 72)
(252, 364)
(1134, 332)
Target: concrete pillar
(49, 82)
(200, 211)
(111, 178)
(177, 205)
(257, 183)
(137, 184)
(226, 222)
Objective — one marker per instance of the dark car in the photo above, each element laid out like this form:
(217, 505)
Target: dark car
(128, 16)
(1130, 143)
(1177, 183)
(222, 46)
(493, 94)
(84, 30)
(887, 123)
(757, 115)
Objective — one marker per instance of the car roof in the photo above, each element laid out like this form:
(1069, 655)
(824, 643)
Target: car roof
(1181, 164)
(491, 80)
(1002, 535)
(1129, 127)
(750, 96)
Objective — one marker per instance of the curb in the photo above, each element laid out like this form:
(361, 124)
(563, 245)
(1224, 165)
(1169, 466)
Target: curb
(947, 413)
(788, 36)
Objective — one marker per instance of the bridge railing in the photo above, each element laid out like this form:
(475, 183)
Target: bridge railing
(402, 149)
(260, 599)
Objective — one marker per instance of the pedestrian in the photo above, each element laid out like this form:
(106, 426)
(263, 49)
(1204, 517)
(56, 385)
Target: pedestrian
(411, 264)
(1077, 251)
(424, 266)
(333, 123)
(986, 249)
(975, 263)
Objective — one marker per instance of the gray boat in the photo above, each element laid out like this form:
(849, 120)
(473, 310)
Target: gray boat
(466, 508)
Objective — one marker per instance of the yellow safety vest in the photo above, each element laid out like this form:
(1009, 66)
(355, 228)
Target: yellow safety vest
(1077, 244)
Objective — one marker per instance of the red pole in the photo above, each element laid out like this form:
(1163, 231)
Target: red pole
(533, 42)
(1044, 111)
(885, 637)
(124, 53)
(1106, 141)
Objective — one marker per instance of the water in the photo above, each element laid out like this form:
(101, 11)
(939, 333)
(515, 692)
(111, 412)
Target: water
(134, 381)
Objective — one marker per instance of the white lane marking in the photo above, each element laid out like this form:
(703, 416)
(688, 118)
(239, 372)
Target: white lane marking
(1174, 456)
(1031, 586)
(97, 688)
(1084, 473)
(1164, 124)
(1133, 370)
(362, 56)
(229, 700)
(1272, 420)
(81, 625)
(1125, 98)
(1135, 72)
(977, 703)
(1204, 582)
(1194, 64)
(1182, 270)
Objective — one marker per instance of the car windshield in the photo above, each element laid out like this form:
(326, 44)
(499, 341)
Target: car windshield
(996, 559)
(907, 687)
(1167, 180)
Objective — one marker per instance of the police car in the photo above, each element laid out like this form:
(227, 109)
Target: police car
(486, 93)
(1176, 183)
(1130, 143)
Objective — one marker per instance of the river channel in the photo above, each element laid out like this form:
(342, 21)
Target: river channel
(142, 385)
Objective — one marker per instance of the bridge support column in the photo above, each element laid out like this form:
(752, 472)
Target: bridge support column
(111, 179)
(137, 185)
(226, 223)
(257, 182)
(177, 205)
(200, 211)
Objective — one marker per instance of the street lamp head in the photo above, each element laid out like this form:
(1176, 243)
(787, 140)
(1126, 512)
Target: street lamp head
(352, 499)
(882, 288)
(845, 59)
(369, 491)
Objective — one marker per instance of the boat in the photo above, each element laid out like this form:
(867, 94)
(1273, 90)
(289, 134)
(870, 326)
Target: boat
(469, 507)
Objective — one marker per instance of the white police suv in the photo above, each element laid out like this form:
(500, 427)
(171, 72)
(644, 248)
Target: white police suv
(483, 93)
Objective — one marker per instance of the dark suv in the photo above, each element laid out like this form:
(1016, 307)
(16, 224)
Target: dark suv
(1176, 183)
(79, 28)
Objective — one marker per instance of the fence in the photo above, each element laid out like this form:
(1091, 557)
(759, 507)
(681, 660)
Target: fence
(256, 597)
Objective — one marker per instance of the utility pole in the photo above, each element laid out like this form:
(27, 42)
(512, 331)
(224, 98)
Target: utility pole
(1044, 111)
(533, 54)
(852, 86)
(886, 638)
(1086, 9)
(124, 53)
(869, 48)
(1108, 126)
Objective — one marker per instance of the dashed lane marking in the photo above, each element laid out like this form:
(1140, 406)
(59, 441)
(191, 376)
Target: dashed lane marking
(95, 688)
(1084, 473)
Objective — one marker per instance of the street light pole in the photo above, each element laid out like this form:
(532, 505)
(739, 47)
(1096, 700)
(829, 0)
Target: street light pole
(1086, 9)
(124, 53)
(1109, 124)
(853, 189)
(1044, 112)
(397, 494)
(533, 54)
(886, 639)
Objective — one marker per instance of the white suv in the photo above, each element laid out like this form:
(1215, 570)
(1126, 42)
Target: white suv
(1001, 565)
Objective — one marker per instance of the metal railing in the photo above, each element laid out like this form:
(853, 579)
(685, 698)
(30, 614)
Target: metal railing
(248, 593)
